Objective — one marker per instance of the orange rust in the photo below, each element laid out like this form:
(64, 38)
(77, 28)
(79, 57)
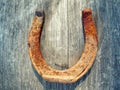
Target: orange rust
(76, 71)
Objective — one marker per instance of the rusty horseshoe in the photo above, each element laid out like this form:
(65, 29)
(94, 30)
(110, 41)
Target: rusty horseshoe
(73, 73)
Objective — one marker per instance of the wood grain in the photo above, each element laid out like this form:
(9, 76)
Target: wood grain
(16, 71)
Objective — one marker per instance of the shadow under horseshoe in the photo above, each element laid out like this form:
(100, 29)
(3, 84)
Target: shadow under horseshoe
(60, 86)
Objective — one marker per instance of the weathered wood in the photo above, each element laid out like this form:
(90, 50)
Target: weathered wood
(16, 72)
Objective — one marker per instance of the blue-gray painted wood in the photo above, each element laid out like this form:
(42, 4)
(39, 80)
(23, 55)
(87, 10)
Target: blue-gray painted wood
(62, 43)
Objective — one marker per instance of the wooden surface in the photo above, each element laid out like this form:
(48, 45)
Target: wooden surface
(62, 43)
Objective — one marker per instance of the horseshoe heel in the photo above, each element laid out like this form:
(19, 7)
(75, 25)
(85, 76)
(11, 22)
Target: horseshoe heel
(76, 71)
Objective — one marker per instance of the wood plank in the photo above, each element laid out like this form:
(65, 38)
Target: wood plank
(62, 43)
(54, 40)
(75, 31)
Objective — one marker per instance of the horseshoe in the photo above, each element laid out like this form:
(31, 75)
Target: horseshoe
(72, 74)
